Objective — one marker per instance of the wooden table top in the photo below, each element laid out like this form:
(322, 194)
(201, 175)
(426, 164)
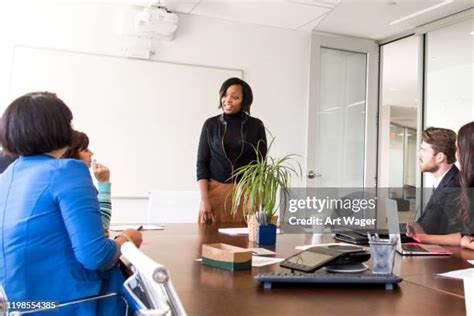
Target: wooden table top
(206, 290)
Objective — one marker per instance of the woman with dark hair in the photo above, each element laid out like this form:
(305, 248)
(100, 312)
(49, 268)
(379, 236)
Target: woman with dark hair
(53, 245)
(465, 157)
(227, 142)
(79, 149)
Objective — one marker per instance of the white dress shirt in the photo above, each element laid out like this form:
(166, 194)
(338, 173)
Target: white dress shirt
(437, 181)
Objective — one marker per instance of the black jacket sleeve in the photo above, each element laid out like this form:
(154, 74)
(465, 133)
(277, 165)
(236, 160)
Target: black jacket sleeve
(203, 156)
(452, 209)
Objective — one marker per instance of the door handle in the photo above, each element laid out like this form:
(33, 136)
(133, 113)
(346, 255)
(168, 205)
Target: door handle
(312, 175)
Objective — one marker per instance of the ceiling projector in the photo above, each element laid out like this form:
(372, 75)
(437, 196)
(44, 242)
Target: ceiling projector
(157, 22)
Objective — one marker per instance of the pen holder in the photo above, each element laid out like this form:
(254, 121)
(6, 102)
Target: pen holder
(382, 253)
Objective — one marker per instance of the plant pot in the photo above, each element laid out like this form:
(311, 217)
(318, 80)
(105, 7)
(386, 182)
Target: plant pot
(266, 234)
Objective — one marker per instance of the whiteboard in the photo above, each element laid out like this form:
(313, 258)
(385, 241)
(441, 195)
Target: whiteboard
(143, 117)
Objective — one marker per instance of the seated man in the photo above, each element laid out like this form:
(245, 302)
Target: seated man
(437, 155)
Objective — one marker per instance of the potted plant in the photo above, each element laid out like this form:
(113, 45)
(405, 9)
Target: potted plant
(256, 190)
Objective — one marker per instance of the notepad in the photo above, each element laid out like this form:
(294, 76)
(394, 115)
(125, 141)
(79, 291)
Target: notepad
(459, 274)
(262, 252)
(239, 231)
(234, 231)
(118, 228)
(258, 261)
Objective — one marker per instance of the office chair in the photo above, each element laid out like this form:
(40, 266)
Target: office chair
(149, 287)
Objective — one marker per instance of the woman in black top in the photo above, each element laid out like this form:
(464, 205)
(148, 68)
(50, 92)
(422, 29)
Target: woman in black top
(227, 142)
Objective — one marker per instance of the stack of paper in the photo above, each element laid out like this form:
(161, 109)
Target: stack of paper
(239, 231)
(262, 252)
(234, 231)
(459, 274)
(264, 261)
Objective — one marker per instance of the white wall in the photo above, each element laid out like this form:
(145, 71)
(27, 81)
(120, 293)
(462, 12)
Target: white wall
(274, 61)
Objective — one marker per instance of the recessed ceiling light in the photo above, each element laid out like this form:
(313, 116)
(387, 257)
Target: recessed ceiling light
(393, 89)
(417, 13)
(472, 33)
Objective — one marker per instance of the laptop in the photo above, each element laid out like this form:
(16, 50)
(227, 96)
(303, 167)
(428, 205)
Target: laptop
(412, 248)
(359, 237)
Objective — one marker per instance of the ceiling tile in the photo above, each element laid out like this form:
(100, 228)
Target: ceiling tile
(281, 14)
(360, 18)
(321, 3)
(312, 24)
(372, 19)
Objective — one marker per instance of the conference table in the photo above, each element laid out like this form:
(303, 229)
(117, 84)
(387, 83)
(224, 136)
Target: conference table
(206, 290)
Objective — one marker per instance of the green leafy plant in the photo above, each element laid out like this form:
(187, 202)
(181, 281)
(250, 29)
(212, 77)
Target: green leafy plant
(258, 184)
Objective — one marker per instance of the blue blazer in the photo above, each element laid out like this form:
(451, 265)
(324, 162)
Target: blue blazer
(52, 240)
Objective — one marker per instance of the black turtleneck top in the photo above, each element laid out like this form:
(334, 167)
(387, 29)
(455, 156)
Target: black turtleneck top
(227, 143)
(233, 135)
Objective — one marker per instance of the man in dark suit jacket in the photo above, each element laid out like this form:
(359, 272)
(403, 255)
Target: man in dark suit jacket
(6, 160)
(437, 156)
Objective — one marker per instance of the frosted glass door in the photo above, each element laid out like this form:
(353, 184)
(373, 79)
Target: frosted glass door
(341, 119)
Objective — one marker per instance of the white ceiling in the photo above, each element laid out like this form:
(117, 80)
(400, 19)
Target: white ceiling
(366, 19)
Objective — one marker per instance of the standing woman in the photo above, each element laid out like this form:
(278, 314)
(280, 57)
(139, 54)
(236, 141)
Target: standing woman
(53, 247)
(227, 142)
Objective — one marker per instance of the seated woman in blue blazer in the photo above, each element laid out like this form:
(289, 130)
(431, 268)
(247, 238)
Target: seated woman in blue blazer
(52, 242)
